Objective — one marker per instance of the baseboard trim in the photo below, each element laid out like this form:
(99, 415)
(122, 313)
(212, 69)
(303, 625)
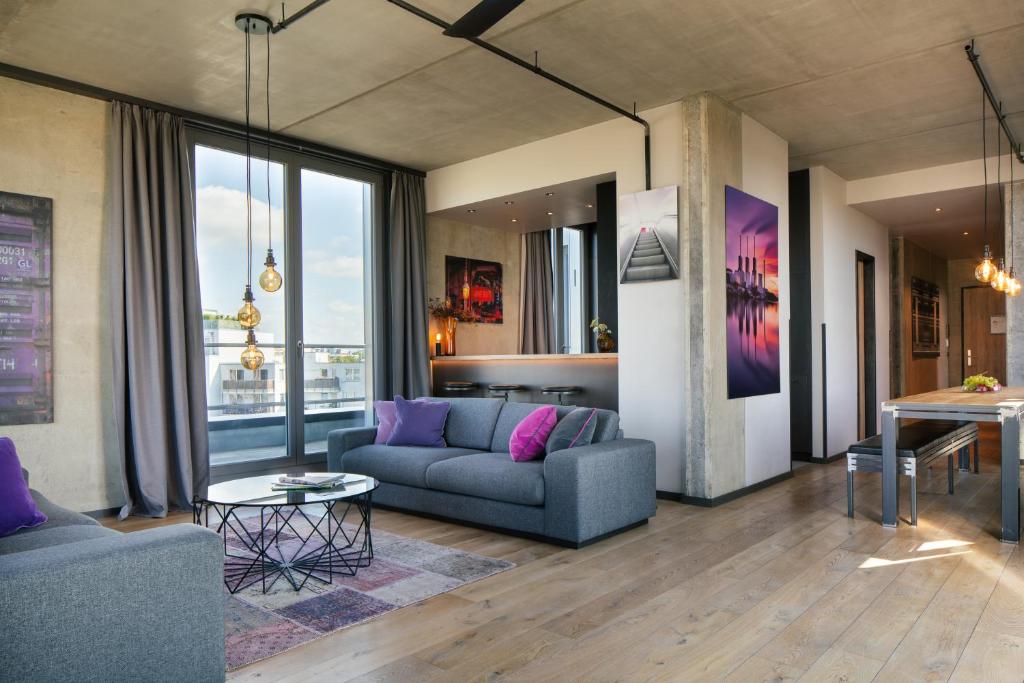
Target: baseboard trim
(100, 514)
(804, 457)
(724, 498)
(512, 532)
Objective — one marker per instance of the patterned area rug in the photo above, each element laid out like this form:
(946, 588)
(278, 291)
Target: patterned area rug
(404, 571)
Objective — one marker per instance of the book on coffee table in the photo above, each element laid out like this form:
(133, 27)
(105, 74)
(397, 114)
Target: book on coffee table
(312, 480)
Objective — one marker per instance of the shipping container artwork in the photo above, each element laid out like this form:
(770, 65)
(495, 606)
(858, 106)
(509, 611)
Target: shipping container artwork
(26, 326)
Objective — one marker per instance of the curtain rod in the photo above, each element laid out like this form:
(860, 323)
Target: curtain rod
(534, 68)
(997, 107)
(205, 122)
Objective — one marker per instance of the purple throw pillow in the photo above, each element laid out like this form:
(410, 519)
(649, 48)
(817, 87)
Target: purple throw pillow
(531, 434)
(419, 423)
(17, 509)
(386, 416)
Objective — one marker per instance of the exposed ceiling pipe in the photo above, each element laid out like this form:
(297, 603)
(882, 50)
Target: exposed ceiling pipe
(286, 22)
(422, 14)
(996, 105)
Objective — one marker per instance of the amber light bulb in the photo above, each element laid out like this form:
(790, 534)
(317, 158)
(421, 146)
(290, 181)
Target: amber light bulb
(252, 357)
(1013, 285)
(248, 315)
(986, 270)
(1000, 279)
(270, 279)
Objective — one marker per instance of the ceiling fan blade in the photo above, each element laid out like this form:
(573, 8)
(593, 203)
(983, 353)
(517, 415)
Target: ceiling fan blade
(486, 14)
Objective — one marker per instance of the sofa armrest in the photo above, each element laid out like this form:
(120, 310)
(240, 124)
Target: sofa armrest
(142, 606)
(340, 441)
(593, 490)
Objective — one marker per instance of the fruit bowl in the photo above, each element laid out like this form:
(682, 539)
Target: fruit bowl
(981, 384)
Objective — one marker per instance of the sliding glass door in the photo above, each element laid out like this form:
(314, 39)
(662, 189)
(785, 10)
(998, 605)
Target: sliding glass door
(314, 332)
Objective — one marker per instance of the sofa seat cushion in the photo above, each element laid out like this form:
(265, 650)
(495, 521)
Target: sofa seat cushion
(45, 536)
(398, 464)
(494, 476)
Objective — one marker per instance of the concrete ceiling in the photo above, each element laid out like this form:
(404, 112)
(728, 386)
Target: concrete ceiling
(942, 232)
(865, 87)
(557, 206)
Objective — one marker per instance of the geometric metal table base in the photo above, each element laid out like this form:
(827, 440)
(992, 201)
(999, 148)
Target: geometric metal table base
(328, 549)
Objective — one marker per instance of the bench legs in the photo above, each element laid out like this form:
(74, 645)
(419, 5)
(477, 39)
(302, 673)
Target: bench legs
(849, 493)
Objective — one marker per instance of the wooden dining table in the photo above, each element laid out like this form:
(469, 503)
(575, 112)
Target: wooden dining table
(1004, 406)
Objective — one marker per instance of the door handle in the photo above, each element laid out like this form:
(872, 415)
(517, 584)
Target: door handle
(298, 345)
(968, 358)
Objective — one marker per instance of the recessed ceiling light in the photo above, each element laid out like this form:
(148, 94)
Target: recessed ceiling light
(470, 210)
(938, 209)
(551, 213)
(509, 203)
(515, 220)
(966, 233)
(549, 194)
(590, 206)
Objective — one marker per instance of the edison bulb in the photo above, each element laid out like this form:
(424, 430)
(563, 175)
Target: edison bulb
(985, 271)
(252, 357)
(1000, 279)
(248, 315)
(270, 279)
(1013, 286)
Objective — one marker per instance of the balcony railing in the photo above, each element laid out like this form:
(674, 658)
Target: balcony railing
(248, 385)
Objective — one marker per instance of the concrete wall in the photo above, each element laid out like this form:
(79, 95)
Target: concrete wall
(53, 144)
(452, 238)
(1014, 231)
(837, 233)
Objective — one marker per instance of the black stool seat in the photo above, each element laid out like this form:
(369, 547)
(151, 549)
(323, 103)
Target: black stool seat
(561, 391)
(459, 385)
(505, 387)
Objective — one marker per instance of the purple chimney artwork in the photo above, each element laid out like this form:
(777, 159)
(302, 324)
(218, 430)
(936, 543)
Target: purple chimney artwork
(751, 294)
(26, 326)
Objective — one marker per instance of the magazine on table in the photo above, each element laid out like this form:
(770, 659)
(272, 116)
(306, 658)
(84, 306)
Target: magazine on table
(314, 481)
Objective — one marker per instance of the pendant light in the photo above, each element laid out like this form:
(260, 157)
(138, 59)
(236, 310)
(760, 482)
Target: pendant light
(986, 270)
(1013, 286)
(248, 315)
(270, 280)
(1002, 278)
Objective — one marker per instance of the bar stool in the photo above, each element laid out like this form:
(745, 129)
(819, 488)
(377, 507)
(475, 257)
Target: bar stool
(455, 385)
(561, 392)
(504, 390)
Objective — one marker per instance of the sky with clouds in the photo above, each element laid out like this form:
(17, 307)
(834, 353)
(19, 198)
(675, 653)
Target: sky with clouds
(332, 246)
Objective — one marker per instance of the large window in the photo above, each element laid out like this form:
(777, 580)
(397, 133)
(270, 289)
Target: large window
(314, 331)
(569, 266)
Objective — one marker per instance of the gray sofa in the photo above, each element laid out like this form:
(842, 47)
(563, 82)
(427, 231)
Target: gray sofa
(80, 602)
(571, 497)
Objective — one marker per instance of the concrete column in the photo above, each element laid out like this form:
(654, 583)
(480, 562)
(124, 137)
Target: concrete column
(714, 447)
(1014, 236)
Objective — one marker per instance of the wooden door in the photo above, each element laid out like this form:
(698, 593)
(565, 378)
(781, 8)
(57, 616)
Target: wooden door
(983, 351)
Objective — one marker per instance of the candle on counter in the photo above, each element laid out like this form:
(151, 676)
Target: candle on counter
(437, 344)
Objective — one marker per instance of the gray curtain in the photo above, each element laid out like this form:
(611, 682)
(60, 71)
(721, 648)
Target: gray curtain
(538, 315)
(159, 374)
(404, 367)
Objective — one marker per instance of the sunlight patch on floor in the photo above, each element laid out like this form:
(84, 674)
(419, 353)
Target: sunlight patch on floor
(942, 545)
(873, 562)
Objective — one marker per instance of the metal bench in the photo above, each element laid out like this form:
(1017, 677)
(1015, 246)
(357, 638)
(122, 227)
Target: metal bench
(919, 444)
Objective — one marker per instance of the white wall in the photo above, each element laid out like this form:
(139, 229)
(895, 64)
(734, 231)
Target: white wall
(766, 176)
(837, 233)
(53, 144)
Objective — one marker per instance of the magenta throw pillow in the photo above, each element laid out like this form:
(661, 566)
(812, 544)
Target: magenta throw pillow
(386, 417)
(17, 508)
(531, 434)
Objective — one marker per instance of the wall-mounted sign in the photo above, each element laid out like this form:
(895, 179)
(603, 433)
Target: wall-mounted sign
(26, 326)
(997, 324)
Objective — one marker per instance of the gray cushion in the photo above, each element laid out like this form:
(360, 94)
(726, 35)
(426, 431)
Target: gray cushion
(471, 421)
(398, 464)
(511, 415)
(575, 429)
(607, 426)
(45, 536)
(494, 476)
(56, 515)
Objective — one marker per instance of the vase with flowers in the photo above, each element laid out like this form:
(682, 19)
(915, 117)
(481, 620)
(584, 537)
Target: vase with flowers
(448, 318)
(605, 343)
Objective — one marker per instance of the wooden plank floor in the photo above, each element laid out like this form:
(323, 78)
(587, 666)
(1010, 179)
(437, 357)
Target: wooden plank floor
(778, 585)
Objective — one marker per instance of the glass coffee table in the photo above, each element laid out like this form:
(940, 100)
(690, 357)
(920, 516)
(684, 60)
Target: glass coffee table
(298, 535)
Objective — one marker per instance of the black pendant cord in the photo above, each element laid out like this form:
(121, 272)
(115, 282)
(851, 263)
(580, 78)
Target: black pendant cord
(1012, 162)
(249, 158)
(270, 236)
(984, 161)
(999, 178)
(975, 60)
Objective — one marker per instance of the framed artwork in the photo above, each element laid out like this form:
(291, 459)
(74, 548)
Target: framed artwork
(649, 235)
(924, 317)
(751, 294)
(475, 288)
(26, 326)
